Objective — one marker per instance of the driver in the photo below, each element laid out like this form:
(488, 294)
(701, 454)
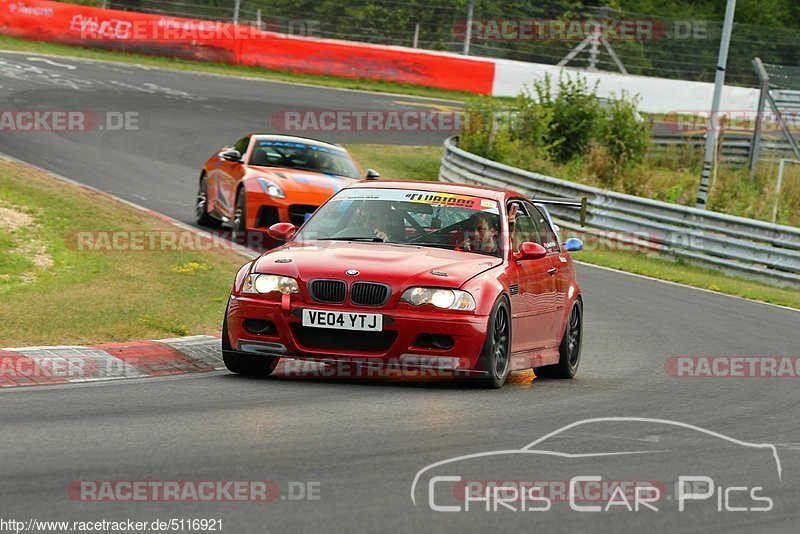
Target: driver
(375, 221)
(323, 162)
(481, 234)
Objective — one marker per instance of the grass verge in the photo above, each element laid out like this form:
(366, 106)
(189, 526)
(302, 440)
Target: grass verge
(399, 162)
(15, 44)
(53, 293)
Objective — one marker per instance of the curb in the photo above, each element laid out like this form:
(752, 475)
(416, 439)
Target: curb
(67, 364)
(71, 364)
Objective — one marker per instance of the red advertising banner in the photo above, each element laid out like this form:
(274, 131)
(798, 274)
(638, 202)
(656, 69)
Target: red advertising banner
(240, 44)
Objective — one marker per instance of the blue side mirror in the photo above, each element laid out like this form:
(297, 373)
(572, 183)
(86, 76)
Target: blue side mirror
(573, 244)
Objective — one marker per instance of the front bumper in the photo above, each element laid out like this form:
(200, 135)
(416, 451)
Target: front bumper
(264, 210)
(397, 345)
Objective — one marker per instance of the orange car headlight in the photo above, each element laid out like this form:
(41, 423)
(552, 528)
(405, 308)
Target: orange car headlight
(271, 188)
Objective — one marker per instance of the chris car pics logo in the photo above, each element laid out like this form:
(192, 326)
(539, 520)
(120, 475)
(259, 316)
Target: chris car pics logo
(594, 482)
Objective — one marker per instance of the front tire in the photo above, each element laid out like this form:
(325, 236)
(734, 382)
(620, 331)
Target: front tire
(570, 348)
(245, 364)
(201, 206)
(495, 357)
(239, 222)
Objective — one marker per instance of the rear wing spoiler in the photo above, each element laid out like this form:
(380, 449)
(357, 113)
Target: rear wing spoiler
(582, 203)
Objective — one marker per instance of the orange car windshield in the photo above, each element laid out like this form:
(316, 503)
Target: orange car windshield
(303, 156)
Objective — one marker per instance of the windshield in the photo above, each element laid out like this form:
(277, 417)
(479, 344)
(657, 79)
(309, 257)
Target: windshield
(411, 217)
(303, 156)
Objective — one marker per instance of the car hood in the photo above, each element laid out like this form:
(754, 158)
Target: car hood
(397, 265)
(294, 180)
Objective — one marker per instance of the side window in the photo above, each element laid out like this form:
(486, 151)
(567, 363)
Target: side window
(241, 145)
(521, 225)
(549, 240)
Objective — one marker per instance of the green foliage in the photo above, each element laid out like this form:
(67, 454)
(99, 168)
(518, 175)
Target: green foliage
(488, 130)
(624, 133)
(565, 125)
(672, 194)
(533, 124)
(565, 132)
(575, 114)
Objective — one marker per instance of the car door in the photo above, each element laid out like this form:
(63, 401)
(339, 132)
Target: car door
(557, 268)
(531, 306)
(224, 179)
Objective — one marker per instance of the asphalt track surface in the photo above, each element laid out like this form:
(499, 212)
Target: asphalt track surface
(362, 443)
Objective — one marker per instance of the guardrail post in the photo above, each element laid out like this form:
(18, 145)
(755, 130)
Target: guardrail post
(236, 6)
(468, 33)
(755, 145)
(719, 82)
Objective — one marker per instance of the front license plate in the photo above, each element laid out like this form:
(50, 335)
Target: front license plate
(371, 322)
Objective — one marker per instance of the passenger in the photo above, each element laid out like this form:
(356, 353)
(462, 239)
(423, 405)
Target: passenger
(482, 234)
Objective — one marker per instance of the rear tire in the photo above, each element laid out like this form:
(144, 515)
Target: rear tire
(570, 348)
(201, 206)
(495, 357)
(245, 364)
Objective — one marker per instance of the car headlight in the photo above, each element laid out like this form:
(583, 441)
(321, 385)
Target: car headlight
(271, 188)
(269, 283)
(449, 299)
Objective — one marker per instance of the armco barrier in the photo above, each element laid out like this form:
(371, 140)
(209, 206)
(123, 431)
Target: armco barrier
(735, 245)
(214, 41)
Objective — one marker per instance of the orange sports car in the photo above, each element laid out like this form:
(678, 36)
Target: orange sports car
(264, 179)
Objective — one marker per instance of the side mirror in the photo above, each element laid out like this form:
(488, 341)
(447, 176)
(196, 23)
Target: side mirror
(530, 251)
(372, 174)
(231, 154)
(573, 244)
(282, 231)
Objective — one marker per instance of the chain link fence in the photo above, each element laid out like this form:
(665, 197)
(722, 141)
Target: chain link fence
(644, 44)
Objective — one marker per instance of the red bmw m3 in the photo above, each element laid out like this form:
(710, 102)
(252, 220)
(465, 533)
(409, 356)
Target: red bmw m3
(451, 277)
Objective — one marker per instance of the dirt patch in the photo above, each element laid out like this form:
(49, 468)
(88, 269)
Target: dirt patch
(12, 219)
(41, 258)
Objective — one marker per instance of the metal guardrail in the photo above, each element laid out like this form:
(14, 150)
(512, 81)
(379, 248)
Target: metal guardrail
(734, 245)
